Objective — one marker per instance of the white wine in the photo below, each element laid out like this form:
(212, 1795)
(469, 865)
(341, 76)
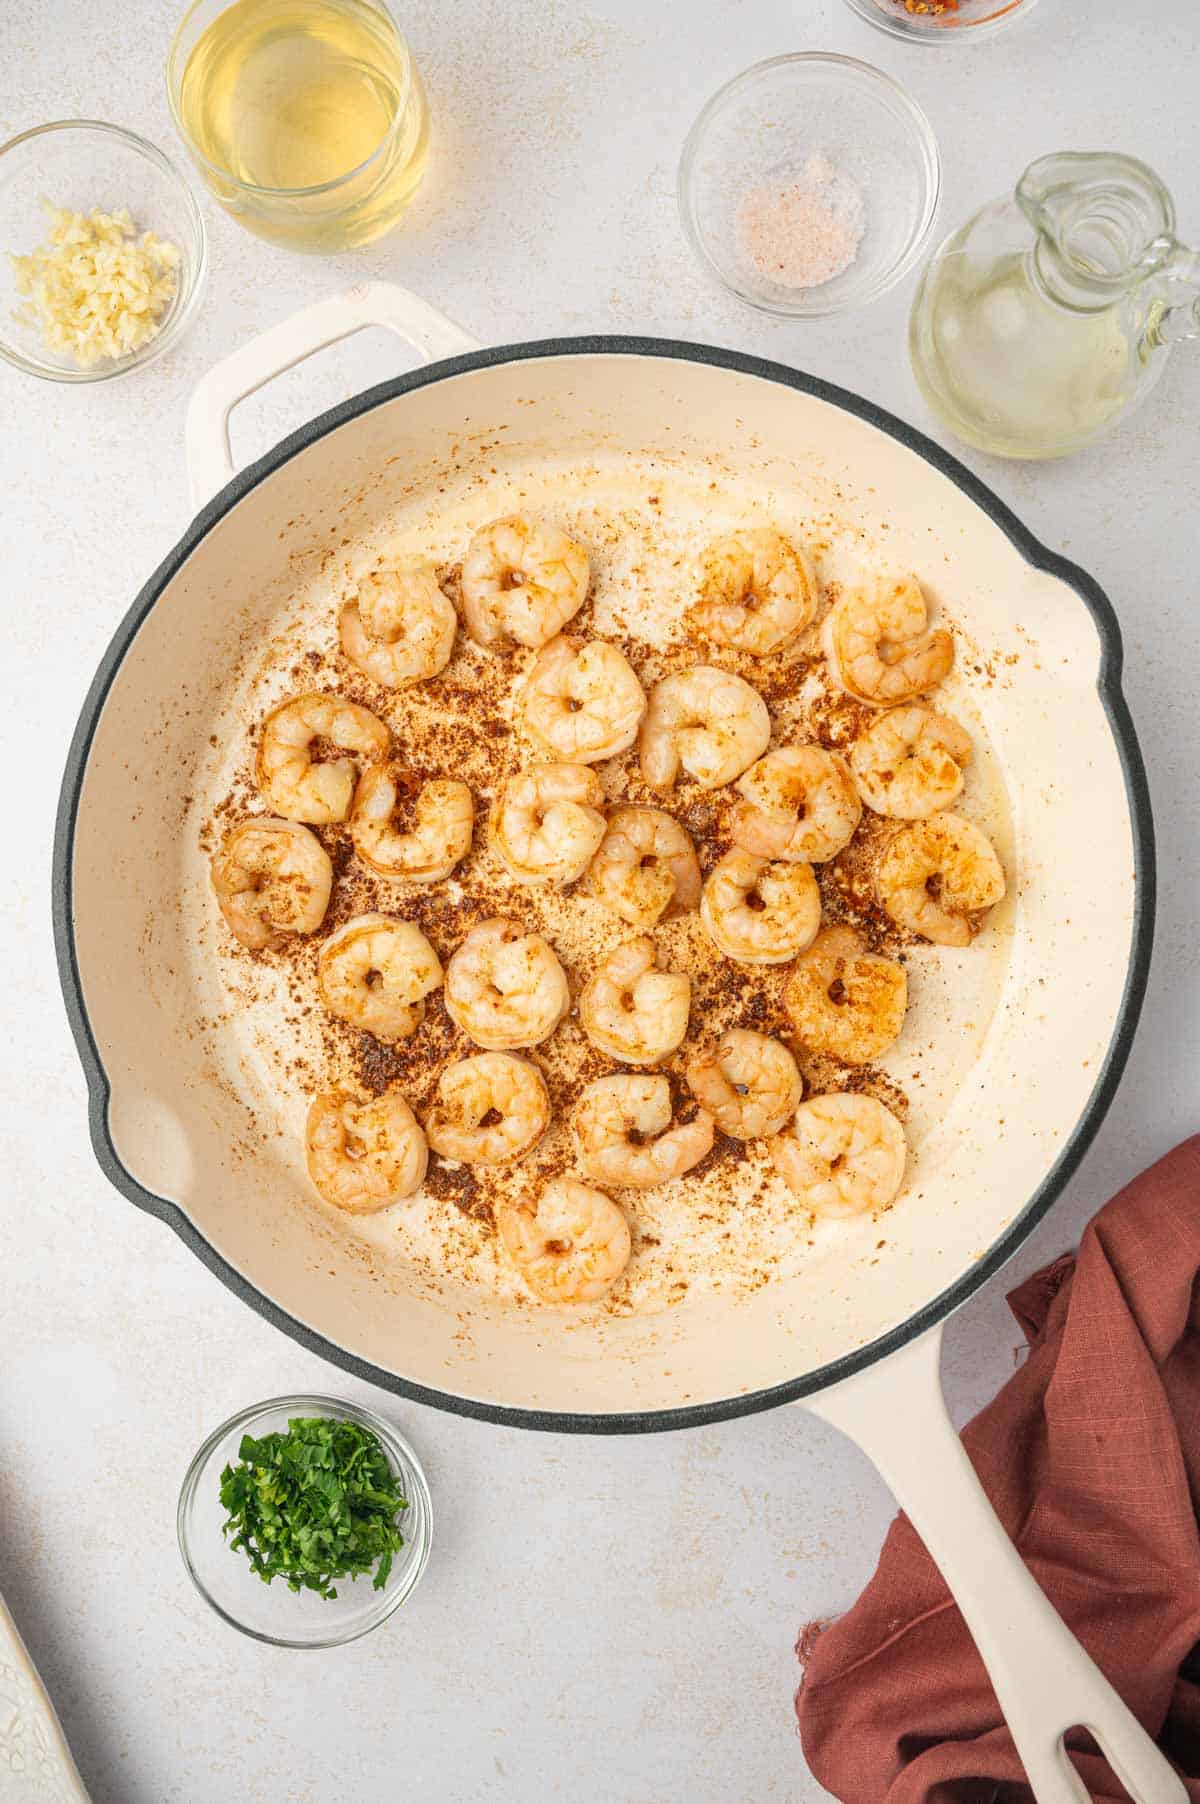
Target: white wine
(307, 118)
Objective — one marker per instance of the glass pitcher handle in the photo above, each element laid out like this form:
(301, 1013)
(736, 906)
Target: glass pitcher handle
(1178, 316)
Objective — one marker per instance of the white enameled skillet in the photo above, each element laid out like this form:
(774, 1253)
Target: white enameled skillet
(854, 1333)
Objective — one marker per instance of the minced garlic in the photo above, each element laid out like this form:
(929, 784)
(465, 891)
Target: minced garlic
(96, 290)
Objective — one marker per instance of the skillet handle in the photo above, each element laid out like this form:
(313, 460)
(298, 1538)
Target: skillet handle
(1044, 1681)
(430, 334)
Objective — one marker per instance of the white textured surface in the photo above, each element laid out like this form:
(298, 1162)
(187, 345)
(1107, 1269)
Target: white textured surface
(608, 1621)
(35, 1763)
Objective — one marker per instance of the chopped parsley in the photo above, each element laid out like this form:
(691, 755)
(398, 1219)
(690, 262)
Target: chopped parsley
(313, 1505)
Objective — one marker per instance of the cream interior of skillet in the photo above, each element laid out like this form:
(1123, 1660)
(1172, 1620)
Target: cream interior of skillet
(731, 1225)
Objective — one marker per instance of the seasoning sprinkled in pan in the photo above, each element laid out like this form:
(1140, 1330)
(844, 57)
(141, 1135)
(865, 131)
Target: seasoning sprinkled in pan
(650, 992)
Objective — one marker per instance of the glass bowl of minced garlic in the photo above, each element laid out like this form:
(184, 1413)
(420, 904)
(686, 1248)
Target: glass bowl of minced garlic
(105, 251)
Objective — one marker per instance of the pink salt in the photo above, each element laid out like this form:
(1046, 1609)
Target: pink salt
(807, 232)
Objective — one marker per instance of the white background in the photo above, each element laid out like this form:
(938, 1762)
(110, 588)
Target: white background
(602, 1620)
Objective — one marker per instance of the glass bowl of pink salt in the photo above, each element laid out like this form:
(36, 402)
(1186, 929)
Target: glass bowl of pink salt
(809, 184)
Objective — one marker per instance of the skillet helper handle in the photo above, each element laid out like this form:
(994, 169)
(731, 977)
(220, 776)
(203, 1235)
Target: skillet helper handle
(1044, 1681)
(429, 333)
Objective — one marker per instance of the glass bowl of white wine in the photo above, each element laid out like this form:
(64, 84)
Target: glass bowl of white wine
(306, 118)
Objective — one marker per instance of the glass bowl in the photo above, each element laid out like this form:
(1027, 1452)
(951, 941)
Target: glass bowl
(972, 20)
(749, 167)
(272, 1612)
(244, 163)
(81, 164)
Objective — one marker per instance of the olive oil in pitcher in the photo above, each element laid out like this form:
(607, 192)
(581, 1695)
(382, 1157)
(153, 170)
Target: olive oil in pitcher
(1044, 319)
(305, 117)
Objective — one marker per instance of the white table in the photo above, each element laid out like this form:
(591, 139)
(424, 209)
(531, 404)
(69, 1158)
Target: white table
(605, 1621)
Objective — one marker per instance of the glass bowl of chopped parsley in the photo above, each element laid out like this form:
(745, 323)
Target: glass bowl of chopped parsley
(305, 1521)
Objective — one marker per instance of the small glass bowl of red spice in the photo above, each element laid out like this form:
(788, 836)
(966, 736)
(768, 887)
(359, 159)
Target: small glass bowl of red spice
(940, 21)
(305, 1521)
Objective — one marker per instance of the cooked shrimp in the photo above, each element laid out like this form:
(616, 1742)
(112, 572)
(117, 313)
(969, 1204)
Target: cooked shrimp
(364, 1155)
(708, 721)
(938, 876)
(375, 973)
(547, 824)
(845, 1001)
(505, 987)
(842, 1155)
(443, 819)
(760, 913)
(631, 1010)
(909, 763)
(288, 775)
(522, 582)
(759, 592)
(570, 1245)
(646, 869)
(749, 1084)
(583, 701)
(623, 1131)
(490, 1108)
(878, 645)
(398, 628)
(271, 878)
(800, 805)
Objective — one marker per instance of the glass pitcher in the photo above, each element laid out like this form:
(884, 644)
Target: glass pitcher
(1052, 312)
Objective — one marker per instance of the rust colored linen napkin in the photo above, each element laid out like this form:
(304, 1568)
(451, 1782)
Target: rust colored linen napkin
(1091, 1457)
